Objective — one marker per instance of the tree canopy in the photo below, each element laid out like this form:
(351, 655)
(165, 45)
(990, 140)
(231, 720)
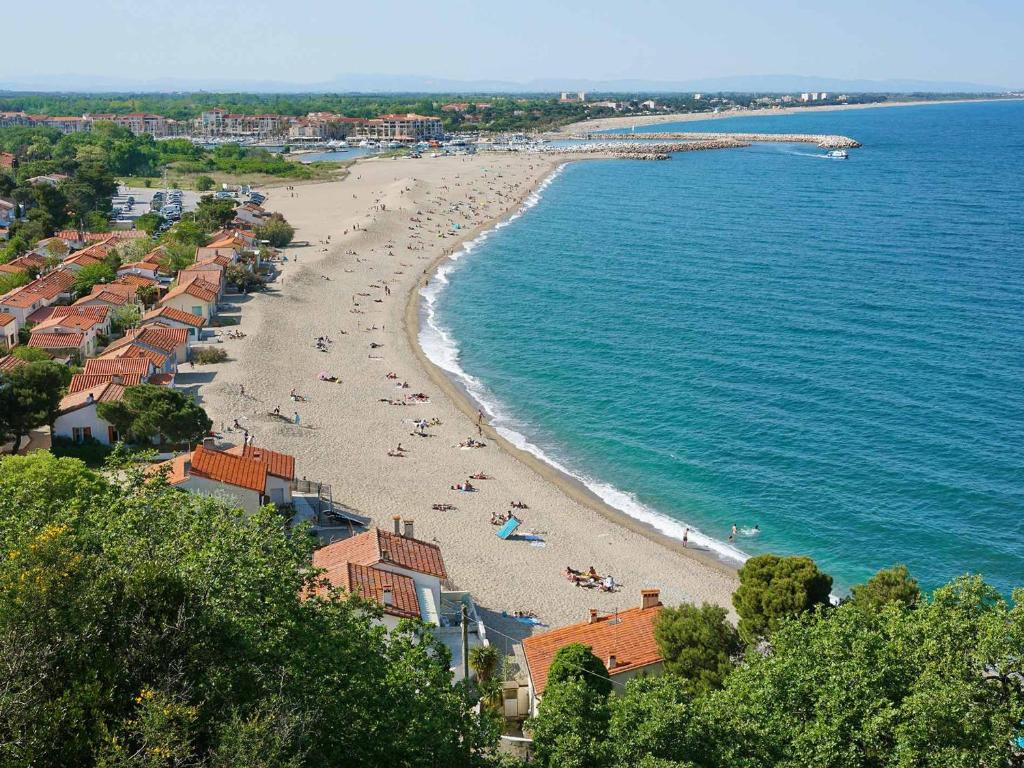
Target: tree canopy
(146, 412)
(29, 398)
(891, 585)
(698, 644)
(187, 641)
(577, 662)
(773, 589)
(276, 231)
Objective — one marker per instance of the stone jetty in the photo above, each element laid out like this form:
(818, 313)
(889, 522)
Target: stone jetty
(644, 150)
(822, 140)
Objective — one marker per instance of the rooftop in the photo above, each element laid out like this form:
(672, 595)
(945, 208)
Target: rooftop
(378, 546)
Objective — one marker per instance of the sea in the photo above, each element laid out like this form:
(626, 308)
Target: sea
(827, 354)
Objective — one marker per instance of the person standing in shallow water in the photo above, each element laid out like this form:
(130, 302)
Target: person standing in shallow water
(686, 537)
(732, 535)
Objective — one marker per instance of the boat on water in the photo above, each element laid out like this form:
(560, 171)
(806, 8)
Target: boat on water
(395, 144)
(838, 154)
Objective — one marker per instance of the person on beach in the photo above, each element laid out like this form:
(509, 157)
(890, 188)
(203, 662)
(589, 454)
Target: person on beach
(686, 536)
(295, 418)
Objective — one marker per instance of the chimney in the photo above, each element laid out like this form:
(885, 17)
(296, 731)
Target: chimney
(611, 661)
(650, 598)
(188, 466)
(398, 524)
(593, 616)
(409, 530)
(388, 596)
(209, 442)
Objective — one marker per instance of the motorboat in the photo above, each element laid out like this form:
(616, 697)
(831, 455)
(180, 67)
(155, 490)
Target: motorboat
(838, 154)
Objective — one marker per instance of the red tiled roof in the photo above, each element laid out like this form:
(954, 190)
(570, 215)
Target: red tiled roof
(378, 546)
(6, 319)
(83, 381)
(10, 362)
(173, 313)
(43, 340)
(629, 635)
(136, 281)
(278, 464)
(107, 297)
(82, 322)
(134, 350)
(233, 470)
(369, 582)
(164, 339)
(198, 287)
(119, 288)
(101, 393)
(125, 366)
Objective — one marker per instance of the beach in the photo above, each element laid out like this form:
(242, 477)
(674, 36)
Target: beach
(374, 238)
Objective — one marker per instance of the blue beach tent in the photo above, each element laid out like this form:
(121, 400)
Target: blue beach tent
(508, 528)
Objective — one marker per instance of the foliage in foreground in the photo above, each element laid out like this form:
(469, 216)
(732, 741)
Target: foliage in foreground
(140, 626)
(879, 683)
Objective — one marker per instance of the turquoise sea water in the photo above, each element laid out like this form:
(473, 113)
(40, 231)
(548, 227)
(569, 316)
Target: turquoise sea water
(831, 350)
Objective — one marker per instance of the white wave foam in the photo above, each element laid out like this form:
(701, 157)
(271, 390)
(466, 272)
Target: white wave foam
(439, 346)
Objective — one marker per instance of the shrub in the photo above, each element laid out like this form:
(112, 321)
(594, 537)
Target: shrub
(205, 183)
(91, 451)
(207, 355)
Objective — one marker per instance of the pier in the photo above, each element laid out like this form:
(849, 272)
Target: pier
(637, 150)
(823, 141)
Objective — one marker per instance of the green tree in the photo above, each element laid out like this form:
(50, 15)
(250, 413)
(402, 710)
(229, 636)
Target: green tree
(147, 412)
(651, 719)
(124, 317)
(571, 726)
(147, 294)
(276, 231)
(484, 660)
(92, 274)
(890, 585)
(577, 662)
(31, 354)
(243, 278)
(148, 222)
(188, 641)
(213, 213)
(932, 686)
(29, 398)
(204, 183)
(773, 589)
(698, 644)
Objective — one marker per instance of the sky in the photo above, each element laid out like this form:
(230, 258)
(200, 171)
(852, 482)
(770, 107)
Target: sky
(319, 40)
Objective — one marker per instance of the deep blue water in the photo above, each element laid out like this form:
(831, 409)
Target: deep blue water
(831, 350)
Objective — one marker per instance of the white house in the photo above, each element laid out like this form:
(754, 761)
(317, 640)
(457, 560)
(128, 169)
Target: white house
(169, 317)
(197, 297)
(78, 419)
(8, 330)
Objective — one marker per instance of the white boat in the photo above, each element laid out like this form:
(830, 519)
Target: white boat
(395, 144)
(838, 154)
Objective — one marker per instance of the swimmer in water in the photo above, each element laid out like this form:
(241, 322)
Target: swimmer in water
(732, 536)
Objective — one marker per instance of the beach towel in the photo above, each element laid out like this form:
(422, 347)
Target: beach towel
(508, 528)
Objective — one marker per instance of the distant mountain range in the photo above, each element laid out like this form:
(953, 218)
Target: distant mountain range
(377, 83)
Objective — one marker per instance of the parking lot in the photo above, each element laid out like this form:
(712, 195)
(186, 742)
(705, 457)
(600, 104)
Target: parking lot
(144, 202)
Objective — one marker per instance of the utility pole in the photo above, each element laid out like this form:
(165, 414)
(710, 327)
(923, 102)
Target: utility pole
(465, 644)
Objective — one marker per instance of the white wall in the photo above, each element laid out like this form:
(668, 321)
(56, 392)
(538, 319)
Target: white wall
(82, 417)
(241, 497)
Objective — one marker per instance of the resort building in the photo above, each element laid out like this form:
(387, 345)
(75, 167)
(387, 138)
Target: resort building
(624, 641)
(138, 123)
(42, 292)
(169, 317)
(196, 297)
(406, 577)
(409, 127)
(250, 477)
(325, 126)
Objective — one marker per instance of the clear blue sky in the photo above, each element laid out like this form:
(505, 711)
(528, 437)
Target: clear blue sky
(316, 40)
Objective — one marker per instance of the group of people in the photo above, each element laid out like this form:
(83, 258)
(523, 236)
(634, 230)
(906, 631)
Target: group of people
(591, 579)
(469, 442)
(323, 343)
(466, 487)
(503, 518)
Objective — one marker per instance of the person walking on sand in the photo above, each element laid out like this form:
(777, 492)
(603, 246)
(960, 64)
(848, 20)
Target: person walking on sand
(295, 418)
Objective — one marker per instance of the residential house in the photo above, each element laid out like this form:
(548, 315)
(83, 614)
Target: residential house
(110, 295)
(163, 362)
(89, 325)
(196, 297)
(125, 367)
(27, 262)
(10, 362)
(8, 331)
(41, 292)
(148, 270)
(623, 640)
(169, 317)
(78, 420)
(167, 341)
(405, 577)
(83, 381)
(62, 343)
(101, 314)
(250, 479)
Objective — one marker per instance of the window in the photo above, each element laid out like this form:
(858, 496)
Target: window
(197, 311)
(81, 434)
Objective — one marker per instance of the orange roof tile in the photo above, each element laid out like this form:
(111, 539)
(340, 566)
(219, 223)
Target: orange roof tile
(369, 583)
(84, 381)
(629, 635)
(225, 468)
(199, 288)
(136, 281)
(45, 340)
(10, 362)
(101, 393)
(278, 464)
(6, 319)
(173, 313)
(379, 546)
(134, 350)
(124, 366)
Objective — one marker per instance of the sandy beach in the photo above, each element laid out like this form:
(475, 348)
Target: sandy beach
(609, 123)
(388, 224)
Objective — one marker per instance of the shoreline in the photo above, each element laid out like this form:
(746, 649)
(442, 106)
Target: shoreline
(606, 123)
(464, 400)
(373, 238)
